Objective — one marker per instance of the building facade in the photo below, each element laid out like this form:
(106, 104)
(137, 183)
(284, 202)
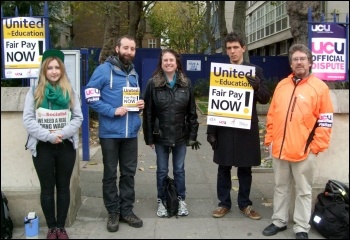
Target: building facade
(61, 28)
(267, 24)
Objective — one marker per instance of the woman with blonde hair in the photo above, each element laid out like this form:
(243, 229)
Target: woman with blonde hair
(52, 117)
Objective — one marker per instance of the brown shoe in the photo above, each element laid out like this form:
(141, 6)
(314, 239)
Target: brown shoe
(220, 212)
(251, 213)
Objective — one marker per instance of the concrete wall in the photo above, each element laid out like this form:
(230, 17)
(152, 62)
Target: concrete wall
(19, 180)
(334, 162)
(20, 183)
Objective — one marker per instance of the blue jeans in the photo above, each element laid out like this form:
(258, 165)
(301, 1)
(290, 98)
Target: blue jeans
(122, 151)
(224, 184)
(179, 154)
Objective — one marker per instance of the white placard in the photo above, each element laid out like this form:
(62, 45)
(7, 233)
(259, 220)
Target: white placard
(193, 65)
(72, 64)
(230, 95)
(23, 45)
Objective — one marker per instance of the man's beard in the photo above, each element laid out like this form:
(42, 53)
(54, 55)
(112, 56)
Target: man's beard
(125, 60)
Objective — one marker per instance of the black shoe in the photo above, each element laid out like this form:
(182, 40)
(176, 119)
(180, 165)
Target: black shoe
(301, 235)
(132, 220)
(272, 229)
(113, 222)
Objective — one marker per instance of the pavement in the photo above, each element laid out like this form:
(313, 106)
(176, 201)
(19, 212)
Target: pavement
(201, 200)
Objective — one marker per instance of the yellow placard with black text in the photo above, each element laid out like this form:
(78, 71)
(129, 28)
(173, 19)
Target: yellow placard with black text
(230, 101)
(23, 45)
(130, 97)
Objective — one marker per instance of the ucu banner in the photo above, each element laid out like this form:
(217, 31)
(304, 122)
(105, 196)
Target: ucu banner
(329, 46)
(92, 95)
(321, 28)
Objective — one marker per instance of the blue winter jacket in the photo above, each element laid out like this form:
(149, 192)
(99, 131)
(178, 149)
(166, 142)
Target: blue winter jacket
(104, 94)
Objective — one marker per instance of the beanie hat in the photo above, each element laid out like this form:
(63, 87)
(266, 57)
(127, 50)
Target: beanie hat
(53, 53)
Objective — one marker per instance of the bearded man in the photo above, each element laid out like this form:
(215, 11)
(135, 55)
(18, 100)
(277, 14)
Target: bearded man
(118, 130)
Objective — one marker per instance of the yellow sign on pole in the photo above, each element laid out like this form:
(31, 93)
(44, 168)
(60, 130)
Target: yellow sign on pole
(24, 44)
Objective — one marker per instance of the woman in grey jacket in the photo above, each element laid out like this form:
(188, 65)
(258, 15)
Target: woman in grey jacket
(52, 117)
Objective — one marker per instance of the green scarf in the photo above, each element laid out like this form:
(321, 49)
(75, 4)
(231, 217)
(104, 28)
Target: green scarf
(54, 98)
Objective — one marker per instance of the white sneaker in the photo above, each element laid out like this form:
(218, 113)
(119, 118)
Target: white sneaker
(182, 208)
(161, 212)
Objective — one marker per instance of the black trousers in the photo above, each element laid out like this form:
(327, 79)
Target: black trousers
(124, 152)
(54, 165)
(224, 185)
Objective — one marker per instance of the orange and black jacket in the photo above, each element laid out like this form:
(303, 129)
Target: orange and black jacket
(299, 119)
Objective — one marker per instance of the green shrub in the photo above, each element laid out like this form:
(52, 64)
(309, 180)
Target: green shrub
(338, 85)
(201, 87)
(92, 64)
(11, 83)
(271, 85)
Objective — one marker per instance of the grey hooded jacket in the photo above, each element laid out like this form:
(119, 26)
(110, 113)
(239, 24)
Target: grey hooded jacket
(36, 132)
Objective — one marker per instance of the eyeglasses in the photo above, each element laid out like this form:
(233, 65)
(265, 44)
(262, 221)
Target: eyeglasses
(302, 59)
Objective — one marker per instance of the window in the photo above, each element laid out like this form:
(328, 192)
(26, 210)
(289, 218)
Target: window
(260, 23)
(281, 17)
(267, 20)
(272, 28)
(267, 50)
(323, 7)
(152, 43)
(254, 37)
(285, 23)
(283, 48)
(218, 43)
(250, 3)
(272, 50)
(278, 26)
(260, 34)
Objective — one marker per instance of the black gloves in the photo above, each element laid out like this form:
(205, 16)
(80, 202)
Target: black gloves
(211, 138)
(193, 144)
(254, 81)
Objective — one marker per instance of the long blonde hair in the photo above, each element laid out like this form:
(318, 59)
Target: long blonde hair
(62, 83)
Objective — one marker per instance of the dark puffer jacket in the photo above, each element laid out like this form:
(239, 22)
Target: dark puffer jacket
(169, 116)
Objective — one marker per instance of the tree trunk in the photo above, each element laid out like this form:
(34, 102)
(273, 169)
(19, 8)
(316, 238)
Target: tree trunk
(222, 24)
(208, 29)
(135, 16)
(112, 29)
(298, 13)
(141, 31)
(238, 23)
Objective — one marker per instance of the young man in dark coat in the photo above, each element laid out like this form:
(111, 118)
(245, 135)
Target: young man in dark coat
(238, 147)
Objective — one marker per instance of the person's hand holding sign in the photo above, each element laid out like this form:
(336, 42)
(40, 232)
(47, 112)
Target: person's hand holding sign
(121, 111)
(140, 104)
(254, 82)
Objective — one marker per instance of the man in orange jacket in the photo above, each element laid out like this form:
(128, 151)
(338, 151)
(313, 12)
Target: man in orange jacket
(298, 127)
